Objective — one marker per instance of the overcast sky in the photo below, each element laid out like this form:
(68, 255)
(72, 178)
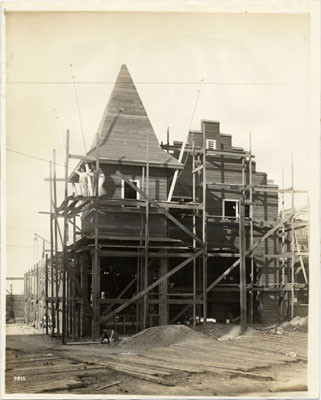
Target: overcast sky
(255, 72)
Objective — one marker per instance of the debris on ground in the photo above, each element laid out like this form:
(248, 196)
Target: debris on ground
(296, 323)
(109, 385)
(299, 321)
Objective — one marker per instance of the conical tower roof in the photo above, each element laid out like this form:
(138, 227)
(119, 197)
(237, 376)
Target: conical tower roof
(125, 129)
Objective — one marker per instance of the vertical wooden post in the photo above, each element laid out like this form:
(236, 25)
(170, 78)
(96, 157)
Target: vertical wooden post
(163, 308)
(292, 240)
(138, 320)
(243, 305)
(51, 253)
(194, 232)
(70, 309)
(67, 309)
(283, 248)
(27, 297)
(146, 236)
(78, 321)
(251, 215)
(64, 250)
(73, 304)
(34, 296)
(204, 236)
(24, 298)
(37, 313)
(96, 260)
(84, 285)
(46, 293)
(56, 243)
(30, 296)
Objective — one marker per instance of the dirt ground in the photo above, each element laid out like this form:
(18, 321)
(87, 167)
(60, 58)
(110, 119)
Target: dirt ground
(170, 360)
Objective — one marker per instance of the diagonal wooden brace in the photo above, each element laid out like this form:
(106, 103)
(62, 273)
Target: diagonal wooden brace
(160, 209)
(151, 286)
(119, 296)
(236, 263)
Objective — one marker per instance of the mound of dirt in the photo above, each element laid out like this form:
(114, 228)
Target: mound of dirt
(162, 336)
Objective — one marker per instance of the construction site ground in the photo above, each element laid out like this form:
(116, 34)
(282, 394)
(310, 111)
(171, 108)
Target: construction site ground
(171, 360)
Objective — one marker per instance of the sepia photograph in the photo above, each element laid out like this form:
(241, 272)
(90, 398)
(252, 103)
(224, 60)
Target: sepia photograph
(160, 184)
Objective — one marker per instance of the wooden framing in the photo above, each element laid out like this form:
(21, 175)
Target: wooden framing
(153, 261)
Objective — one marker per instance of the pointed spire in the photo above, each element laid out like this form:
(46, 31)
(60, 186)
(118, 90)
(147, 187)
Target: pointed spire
(125, 126)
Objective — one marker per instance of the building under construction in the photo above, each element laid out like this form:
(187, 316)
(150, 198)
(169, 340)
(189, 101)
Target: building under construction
(181, 232)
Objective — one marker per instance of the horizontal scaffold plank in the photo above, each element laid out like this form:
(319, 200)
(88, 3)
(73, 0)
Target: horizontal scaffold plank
(134, 238)
(78, 299)
(101, 202)
(151, 254)
(236, 154)
(154, 301)
(236, 255)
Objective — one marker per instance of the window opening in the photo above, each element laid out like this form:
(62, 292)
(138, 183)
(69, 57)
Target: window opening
(211, 144)
(231, 209)
(128, 192)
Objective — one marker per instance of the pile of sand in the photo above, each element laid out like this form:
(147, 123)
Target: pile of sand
(162, 336)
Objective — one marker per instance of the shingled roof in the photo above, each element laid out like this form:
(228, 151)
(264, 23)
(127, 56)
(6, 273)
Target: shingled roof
(125, 127)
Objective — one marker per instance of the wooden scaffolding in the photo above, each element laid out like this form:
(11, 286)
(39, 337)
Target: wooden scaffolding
(63, 295)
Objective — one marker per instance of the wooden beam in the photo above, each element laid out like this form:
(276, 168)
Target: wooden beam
(146, 243)
(56, 226)
(153, 301)
(95, 333)
(152, 254)
(46, 294)
(300, 258)
(81, 157)
(243, 305)
(182, 206)
(151, 286)
(194, 170)
(84, 286)
(249, 251)
(14, 279)
(236, 263)
(163, 286)
(57, 180)
(105, 312)
(204, 233)
(162, 210)
(65, 255)
(212, 152)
